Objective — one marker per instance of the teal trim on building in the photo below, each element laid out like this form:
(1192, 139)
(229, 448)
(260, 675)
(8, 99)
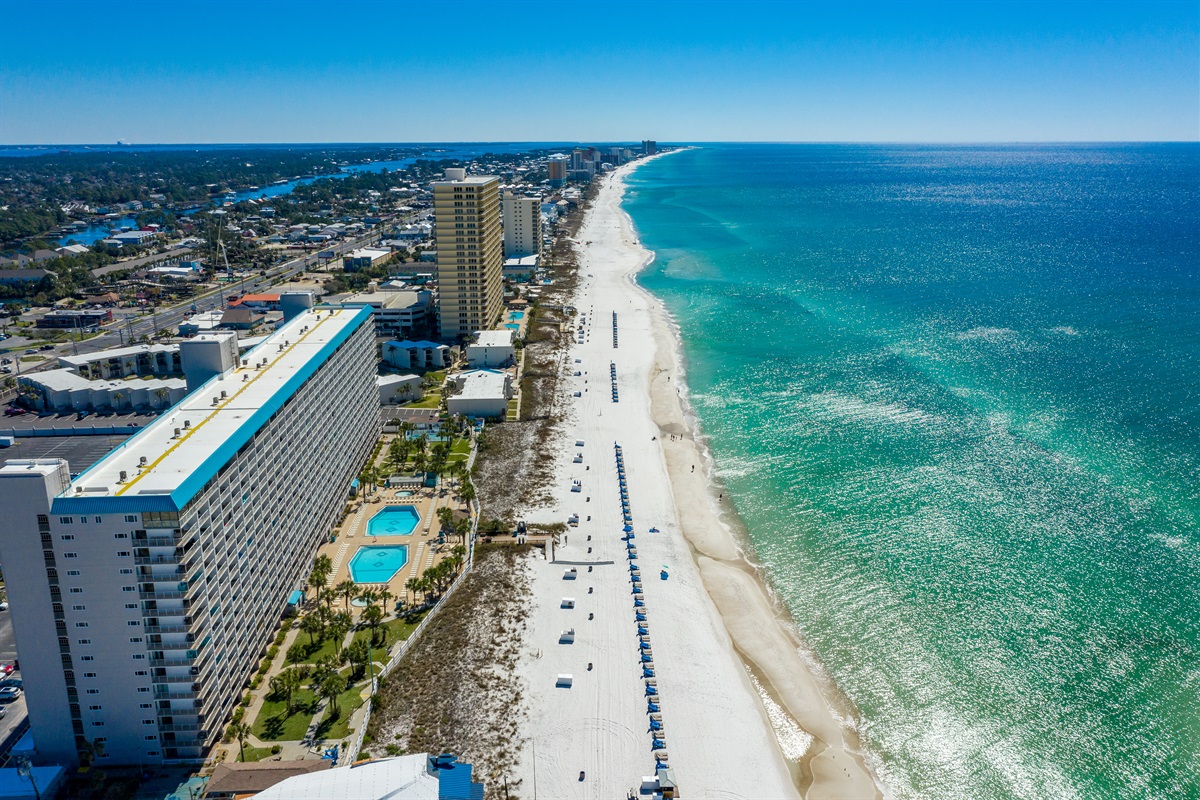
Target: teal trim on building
(207, 470)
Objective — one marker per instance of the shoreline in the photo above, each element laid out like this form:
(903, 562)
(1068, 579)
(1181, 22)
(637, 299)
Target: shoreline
(761, 630)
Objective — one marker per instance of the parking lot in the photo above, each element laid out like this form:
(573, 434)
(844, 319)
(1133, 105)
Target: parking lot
(12, 715)
(80, 451)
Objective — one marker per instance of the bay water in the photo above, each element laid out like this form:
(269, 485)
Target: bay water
(954, 395)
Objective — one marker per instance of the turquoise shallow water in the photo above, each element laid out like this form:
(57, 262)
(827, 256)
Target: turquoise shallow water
(953, 393)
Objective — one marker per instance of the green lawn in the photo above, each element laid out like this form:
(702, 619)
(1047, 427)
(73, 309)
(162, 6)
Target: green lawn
(348, 702)
(272, 725)
(252, 753)
(430, 400)
(462, 446)
(397, 630)
(326, 647)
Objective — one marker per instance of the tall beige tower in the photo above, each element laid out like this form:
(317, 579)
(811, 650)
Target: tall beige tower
(522, 225)
(470, 248)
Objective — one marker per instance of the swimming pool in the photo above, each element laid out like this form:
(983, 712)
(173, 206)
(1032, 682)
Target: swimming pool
(394, 521)
(516, 315)
(377, 563)
(512, 326)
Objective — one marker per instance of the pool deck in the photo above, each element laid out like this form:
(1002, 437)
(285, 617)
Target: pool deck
(423, 550)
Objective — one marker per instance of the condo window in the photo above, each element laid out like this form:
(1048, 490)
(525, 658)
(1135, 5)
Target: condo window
(68, 537)
(151, 738)
(73, 572)
(97, 520)
(127, 571)
(131, 605)
(91, 691)
(84, 641)
(66, 520)
(144, 705)
(143, 688)
(133, 623)
(124, 553)
(76, 589)
(95, 708)
(81, 624)
(140, 672)
(79, 608)
(131, 518)
(70, 555)
(135, 640)
(121, 535)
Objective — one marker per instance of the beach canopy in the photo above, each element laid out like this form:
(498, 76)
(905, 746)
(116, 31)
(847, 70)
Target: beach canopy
(628, 528)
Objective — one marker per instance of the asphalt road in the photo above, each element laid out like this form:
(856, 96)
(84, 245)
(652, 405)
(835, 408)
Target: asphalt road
(117, 334)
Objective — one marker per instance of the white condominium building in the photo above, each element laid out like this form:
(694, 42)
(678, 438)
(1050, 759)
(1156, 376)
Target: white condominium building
(145, 590)
(522, 225)
(470, 253)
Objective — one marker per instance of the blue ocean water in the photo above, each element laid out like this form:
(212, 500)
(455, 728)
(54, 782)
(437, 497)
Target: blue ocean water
(954, 393)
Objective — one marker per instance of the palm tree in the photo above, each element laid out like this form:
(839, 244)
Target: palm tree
(311, 624)
(162, 394)
(117, 399)
(285, 685)
(240, 731)
(385, 598)
(446, 518)
(372, 616)
(330, 688)
(346, 589)
(339, 626)
(413, 585)
(358, 653)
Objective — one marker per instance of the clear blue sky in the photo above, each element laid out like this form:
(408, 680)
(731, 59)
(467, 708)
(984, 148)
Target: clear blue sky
(296, 71)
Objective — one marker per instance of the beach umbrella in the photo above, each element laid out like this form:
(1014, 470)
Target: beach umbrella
(628, 528)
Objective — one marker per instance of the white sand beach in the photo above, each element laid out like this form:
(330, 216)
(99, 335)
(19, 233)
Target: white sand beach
(706, 623)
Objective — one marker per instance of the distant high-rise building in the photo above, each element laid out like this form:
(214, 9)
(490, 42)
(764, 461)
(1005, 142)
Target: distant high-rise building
(577, 158)
(649, 147)
(470, 253)
(522, 218)
(145, 591)
(556, 166)
(614, 155)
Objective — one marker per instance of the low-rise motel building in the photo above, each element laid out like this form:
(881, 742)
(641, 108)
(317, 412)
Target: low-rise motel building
(144, 591)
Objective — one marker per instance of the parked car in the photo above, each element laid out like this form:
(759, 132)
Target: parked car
(4, 606)
(14, 411)
(83, 414)
(9, 693)
(31, 352)
(47, 347)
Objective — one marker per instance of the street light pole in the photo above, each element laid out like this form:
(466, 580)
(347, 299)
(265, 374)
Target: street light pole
(25, 771)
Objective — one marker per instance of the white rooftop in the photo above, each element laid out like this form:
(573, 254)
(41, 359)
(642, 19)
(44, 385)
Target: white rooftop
(206, 427)
(117, 352)
(400, 778)
(502, 338)
(67, 380)
(482, 384)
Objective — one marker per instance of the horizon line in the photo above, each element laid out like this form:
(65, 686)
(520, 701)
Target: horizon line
(609, 141)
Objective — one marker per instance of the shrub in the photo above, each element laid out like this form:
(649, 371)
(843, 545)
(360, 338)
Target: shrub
(272, 651)
(238, 713)
(276, 749)
(246, 699)
(255, 681)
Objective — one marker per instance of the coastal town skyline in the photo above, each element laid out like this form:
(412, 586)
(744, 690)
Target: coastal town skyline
(758, 72)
